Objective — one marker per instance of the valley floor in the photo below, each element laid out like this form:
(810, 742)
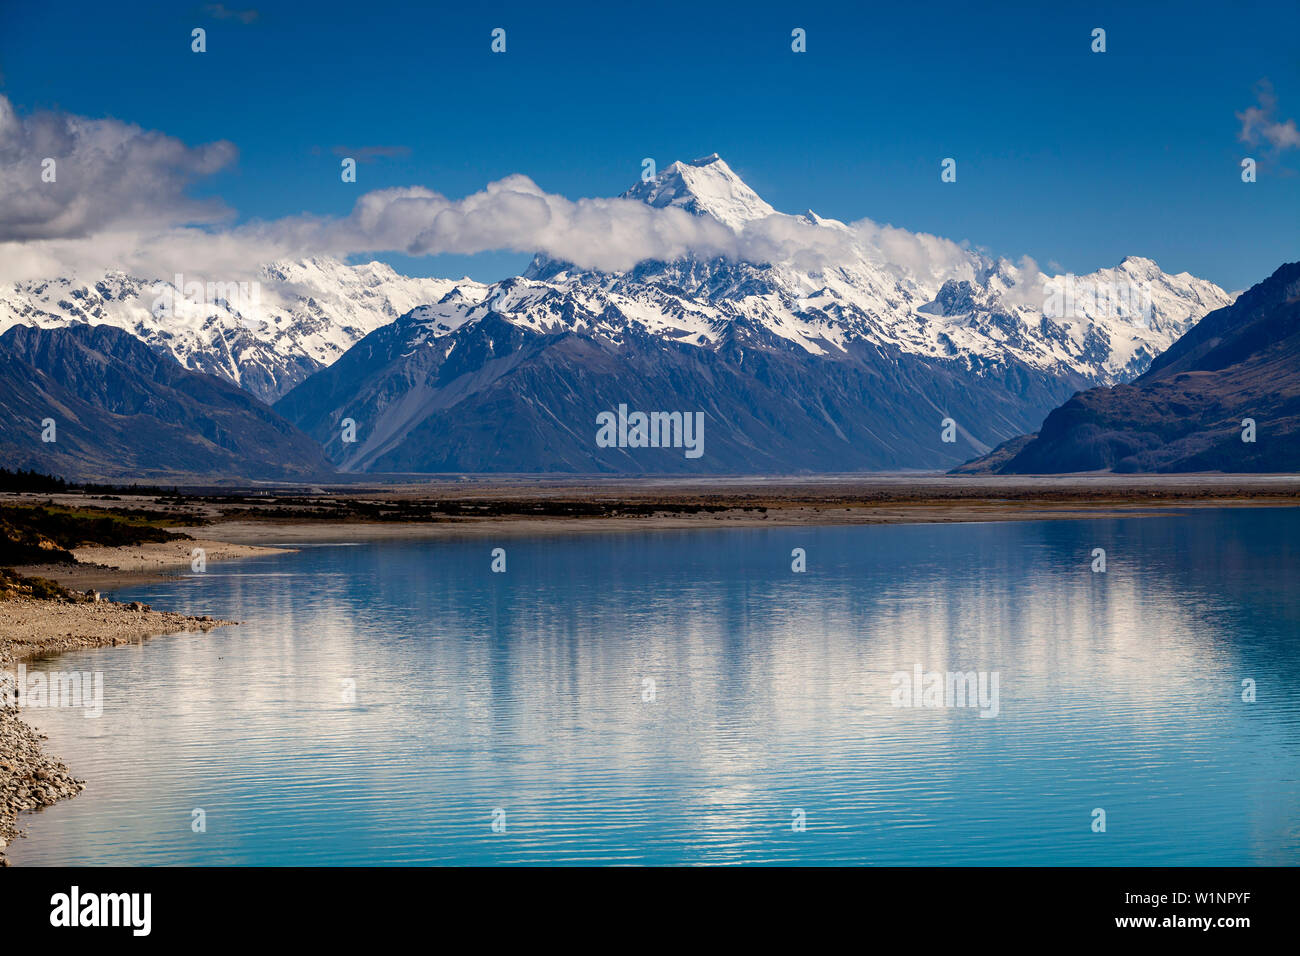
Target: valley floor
(230, 525)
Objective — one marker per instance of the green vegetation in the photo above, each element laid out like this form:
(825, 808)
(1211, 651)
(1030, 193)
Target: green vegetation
(46, 534)
(352, 509)
(13, 584)
(20, 480)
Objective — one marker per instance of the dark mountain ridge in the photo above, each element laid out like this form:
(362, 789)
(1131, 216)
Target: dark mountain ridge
(1194, 409)
(120, 410)
(495, 397)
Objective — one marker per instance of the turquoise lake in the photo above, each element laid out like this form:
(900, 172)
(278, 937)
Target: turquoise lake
(684, 697)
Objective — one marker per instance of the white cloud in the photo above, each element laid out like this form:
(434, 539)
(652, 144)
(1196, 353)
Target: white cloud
(107, 175)
(121, 202)
(1259, 123)
(513, 214)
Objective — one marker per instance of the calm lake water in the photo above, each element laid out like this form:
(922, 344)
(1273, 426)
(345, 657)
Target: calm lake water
(525, 692)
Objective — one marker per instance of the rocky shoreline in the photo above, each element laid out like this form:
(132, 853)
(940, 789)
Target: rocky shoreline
(30, 627)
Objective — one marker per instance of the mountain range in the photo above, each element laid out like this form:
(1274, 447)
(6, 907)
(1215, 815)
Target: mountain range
(1225, 397)
(869, 348)
(265, 333)
(851, 363)
(93, 402)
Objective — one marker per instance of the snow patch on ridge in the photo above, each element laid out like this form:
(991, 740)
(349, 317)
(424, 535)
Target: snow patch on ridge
(879, 292)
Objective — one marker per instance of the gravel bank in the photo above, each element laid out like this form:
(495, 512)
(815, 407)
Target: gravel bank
(30, 778)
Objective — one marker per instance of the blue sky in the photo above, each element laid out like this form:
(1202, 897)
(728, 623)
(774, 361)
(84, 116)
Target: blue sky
(1071, 157)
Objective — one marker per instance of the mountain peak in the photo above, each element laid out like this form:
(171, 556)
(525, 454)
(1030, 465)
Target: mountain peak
(1139, 266)
(703, 187)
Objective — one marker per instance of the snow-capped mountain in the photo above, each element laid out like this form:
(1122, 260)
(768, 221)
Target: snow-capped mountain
(1106, 326)
(811, 345)
(845, 353)
(706, 187)
(266, 333)
(1187, 412)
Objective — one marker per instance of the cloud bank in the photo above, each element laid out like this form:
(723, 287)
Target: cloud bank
(105, 174)
(1259, 124)
(121, 201)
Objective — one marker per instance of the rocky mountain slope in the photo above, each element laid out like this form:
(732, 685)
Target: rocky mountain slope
(266, 332)
(844, 349)
(116, 409)
(1189, 411)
